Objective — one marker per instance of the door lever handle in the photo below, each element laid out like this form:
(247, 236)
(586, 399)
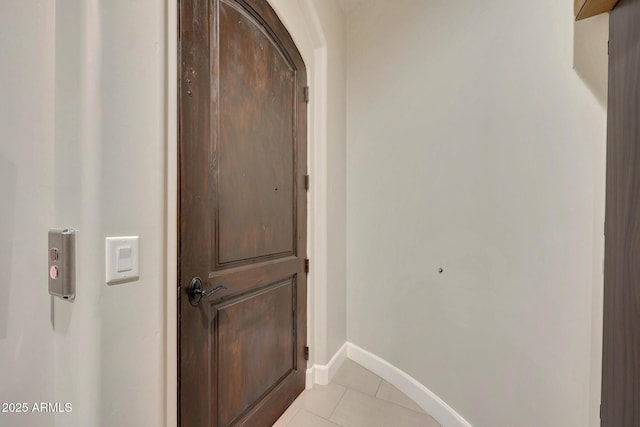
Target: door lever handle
(196, 291)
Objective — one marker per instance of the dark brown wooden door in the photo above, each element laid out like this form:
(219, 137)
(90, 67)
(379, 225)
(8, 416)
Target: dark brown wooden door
(621, 355)
(242, 214)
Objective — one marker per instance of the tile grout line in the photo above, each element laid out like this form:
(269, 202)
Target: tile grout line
(392, 404)
(338, 404)
(389, 403)
(421, 411)
(378, 389)
(294, 414)
(397, 405)
(404, 408)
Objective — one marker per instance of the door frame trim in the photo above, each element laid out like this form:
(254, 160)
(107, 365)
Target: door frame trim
(304, 24)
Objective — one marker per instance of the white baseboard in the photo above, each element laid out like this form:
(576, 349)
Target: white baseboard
(308, 381)
(324, 373)
(424, 397)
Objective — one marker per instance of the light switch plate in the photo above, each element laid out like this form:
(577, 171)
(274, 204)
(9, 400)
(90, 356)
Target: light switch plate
(122, 259)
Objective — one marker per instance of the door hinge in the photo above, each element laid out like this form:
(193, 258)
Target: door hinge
(306, 182)
(601, 411)
(306, 353)
(306, 94)
(306, 265)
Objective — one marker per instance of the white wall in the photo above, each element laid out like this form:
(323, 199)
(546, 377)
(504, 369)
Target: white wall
(110, 169)
(336, 314)
(473, 145)
(26, 206)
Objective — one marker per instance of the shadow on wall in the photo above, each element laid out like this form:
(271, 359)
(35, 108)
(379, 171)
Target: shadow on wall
(7, 209)
(590, 54)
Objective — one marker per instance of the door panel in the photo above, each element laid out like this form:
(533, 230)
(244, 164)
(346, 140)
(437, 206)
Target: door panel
(621, 341)
(242, 214)
(271, 310)
(257, 199)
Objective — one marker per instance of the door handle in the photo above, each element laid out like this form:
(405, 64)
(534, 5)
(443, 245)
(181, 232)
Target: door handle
(196, 291)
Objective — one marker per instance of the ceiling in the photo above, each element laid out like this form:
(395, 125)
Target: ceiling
(349, 5)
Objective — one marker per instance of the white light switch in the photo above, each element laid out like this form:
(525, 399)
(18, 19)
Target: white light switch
(122, 259)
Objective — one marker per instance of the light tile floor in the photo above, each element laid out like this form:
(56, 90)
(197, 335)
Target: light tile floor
(355, 398)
